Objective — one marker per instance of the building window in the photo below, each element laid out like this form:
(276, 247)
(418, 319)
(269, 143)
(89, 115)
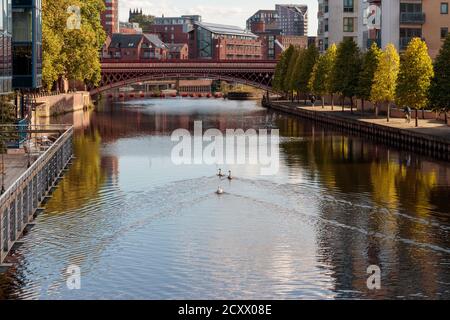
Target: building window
(444, 8)
(444, 32)
(348, 25)
(348, 5)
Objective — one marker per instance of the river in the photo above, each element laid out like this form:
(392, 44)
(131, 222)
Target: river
(140, 227)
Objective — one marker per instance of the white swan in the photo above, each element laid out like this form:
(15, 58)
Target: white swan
(219, 190)
(230, 177)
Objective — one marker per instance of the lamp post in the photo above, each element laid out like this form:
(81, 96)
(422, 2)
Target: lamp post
(3, 173)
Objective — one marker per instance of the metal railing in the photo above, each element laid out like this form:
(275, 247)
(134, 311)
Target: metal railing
(21, 200)
(412, 17)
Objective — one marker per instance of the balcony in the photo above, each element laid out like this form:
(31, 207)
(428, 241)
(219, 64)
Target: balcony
(412, 18)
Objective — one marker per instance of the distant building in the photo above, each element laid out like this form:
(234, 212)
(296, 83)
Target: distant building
(174, 29)
(274, 43)
(110, 17)
(6, 49)
(26, 43)
(178, 51)
(132, 47)
(130, 28)
(291, 19)
(223, 42)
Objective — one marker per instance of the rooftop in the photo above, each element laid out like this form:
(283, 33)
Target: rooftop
(225, 29)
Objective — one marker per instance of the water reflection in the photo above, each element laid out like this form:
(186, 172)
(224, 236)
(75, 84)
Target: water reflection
(141, 227)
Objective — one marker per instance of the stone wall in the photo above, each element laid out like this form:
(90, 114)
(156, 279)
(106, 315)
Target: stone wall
(48, 106)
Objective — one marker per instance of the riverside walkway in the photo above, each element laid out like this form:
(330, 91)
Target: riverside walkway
(431, 135)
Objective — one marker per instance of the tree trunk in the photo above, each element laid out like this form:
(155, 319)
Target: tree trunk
(388, 112)
(343, 101)
(323, 103)
(376, 110)
(362, 105)
(417, 118)
(423, 113)
(351, 105)
(446, 118)
(332, 101)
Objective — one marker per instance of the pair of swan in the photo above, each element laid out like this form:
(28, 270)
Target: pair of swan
(221, 175)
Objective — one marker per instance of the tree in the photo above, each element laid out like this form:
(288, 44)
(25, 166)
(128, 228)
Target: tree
(414, 79)
(322, 74)
(369, 66)
(385, 78)
(288, 83)
(281, 69)
(72, 53)
(440, 85)
(144, 20)
(305, 69)
(346, 70)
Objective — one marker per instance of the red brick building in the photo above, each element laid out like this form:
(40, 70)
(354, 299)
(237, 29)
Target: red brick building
(223, 42)
(133, 47)
(110, 17)
(178, 51)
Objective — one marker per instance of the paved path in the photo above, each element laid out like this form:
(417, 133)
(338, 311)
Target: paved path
(426, 126)
(15, 166)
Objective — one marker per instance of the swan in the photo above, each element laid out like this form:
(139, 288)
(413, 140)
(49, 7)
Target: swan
(219, 190)
(230, 177)
(220, 174)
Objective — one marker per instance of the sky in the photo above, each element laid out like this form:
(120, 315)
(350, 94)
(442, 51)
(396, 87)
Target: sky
(233, 12)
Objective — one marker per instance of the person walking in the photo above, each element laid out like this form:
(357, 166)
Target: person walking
(407, 111)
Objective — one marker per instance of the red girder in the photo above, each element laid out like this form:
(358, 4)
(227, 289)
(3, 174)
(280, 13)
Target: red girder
(254, 73)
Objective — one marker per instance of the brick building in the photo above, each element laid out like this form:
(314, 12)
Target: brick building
(223, 42)
(129, 47)
(130, 28)
(110, 17)
(178, 51)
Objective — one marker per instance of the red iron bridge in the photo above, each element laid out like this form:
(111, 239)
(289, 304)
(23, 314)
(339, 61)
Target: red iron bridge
(256, 73)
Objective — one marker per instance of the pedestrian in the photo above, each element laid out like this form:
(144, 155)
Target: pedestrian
(407, 112)
(313, 100)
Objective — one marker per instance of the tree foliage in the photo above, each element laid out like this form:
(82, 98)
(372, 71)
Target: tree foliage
(304, 69)
(385, 77)
(72, 53)
(440, 85)
(414, 79)
(347, 68)
(282, 70)
(144, 20)
(321, 78)
(369, 65)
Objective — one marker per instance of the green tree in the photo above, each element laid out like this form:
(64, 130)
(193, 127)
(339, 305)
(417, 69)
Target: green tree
(144, 20)
(346, 70)
(385, 78)
(321, 78)
(414, 79)
(69, 52)
(304, 70)
(282, 69)
(440, 85)
(290, 74)
(369, 66)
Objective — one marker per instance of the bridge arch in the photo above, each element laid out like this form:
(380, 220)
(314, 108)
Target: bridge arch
(258, 74)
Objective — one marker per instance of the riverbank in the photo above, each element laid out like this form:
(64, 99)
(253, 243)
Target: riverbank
(432, 137)
(53, 105)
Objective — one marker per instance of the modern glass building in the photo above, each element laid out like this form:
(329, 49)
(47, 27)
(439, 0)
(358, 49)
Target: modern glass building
(27, 44)
(5, 47)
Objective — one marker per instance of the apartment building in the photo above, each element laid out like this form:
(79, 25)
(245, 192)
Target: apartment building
(110, 17)
(338, 19)
(384, 22)
(291, 19)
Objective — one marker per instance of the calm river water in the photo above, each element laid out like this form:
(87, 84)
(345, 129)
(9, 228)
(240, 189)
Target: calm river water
(140, 227)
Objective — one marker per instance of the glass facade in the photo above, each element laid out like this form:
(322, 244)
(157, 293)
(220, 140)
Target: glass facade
(27, 44)
(5, 47)
(204, 43)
